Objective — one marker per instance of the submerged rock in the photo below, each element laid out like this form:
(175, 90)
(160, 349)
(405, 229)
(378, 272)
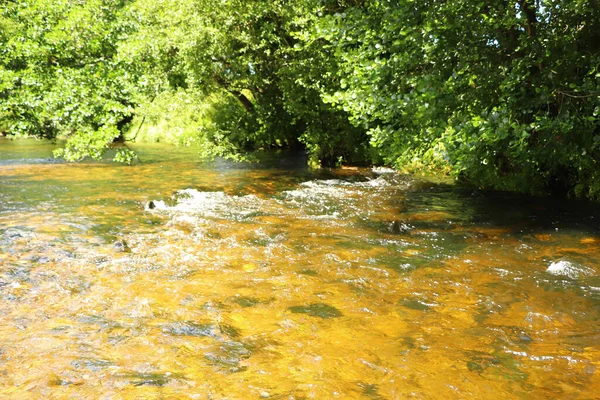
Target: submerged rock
(121, 246)
(400, 228)
(156, 205)
(320, 310)
(246, 301)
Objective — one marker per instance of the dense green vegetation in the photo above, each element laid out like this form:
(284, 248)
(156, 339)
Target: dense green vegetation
(502, 94)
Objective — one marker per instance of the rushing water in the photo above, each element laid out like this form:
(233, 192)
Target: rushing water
(180, 279)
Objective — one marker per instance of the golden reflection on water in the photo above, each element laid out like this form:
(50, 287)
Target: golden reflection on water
(281, 290)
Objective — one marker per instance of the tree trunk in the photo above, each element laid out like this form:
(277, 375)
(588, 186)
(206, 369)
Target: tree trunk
(238, 95)
(243, 99)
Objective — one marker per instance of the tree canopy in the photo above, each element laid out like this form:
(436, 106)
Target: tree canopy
(504, 94)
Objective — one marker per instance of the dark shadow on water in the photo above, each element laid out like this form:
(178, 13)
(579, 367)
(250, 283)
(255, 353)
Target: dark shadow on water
(520, 213)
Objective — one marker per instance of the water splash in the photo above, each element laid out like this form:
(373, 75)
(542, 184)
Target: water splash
(569, 269)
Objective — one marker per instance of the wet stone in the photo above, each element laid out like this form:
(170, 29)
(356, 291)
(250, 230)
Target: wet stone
(320, 310)
(399, 228)
(120, 246)
(13, 234)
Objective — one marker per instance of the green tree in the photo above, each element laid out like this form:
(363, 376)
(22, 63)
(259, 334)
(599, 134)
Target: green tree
(60, 75)
(249, 52)
(504, 92)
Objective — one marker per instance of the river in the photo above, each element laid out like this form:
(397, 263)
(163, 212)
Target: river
(175, 278)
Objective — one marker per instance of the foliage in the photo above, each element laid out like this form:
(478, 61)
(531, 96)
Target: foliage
(214, 123)
(503, 94)
(59, 74)
(246, 51)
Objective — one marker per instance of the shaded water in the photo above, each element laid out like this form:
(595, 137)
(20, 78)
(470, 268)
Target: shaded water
(179, 279)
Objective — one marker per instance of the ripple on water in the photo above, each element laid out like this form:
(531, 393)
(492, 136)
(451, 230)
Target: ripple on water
(228, 356)
(362, 287)
(188, 328)
(209, 205)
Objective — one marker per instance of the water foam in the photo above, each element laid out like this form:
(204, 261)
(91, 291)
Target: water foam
(566, 268)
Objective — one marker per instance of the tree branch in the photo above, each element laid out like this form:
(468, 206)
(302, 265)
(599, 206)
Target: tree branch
(238, 94)
(530, 16)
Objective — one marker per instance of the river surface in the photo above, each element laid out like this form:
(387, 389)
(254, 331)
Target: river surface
(175, 278)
